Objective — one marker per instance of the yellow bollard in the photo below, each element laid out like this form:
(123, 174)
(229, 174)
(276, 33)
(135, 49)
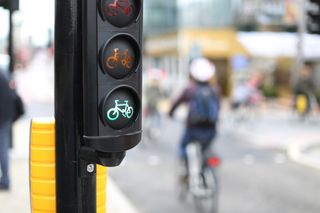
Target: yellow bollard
(42, 169)
(42, 166)
(101, 189)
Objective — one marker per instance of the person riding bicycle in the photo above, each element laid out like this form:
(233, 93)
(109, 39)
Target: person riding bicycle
(204, 105)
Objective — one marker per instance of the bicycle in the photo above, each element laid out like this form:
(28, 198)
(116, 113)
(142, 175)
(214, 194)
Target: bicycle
(114, 113)
(126, 59)
(201, 182)
(119, 5)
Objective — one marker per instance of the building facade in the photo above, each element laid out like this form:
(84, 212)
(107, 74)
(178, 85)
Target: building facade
(276, 15)
(160, 16)
(205, 13)
(210, 28)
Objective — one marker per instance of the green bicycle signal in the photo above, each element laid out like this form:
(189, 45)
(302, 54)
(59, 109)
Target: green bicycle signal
(126, 110)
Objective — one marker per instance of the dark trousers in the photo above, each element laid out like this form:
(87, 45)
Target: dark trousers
(202, 135)
(4, 153)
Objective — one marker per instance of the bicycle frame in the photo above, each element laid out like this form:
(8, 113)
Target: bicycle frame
(117, 106)
(117, 56)
(194, 154)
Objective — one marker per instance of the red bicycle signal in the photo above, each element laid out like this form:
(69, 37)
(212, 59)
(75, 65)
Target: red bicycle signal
(117, 6)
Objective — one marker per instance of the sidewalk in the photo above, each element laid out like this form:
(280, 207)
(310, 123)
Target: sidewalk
(280, 129)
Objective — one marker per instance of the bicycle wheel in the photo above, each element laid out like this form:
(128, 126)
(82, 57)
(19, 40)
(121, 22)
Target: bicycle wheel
(127, 63)
(182, 186)
(113, 114)
(129, 112)
(206, 201)
(111, 62)
(127, 8)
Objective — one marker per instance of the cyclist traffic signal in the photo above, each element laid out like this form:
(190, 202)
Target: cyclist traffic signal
(313, 13)
(112, 78)
(12, 5)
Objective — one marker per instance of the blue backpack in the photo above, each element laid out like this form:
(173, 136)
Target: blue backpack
(204, 107)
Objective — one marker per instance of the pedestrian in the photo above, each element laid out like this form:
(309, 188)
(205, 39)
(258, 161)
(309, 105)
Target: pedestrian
(304, 91)
(204, 104)
(6, 118)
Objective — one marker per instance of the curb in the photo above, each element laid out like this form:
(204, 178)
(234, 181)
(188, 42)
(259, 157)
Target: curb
(295, 153)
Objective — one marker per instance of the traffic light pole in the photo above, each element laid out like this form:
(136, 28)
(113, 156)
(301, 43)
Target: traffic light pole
(98, 89)
(10, 41)
(75, 178)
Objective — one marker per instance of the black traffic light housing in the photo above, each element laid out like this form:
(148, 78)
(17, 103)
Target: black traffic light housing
(313, 13)
(12, 5)
(112, 79)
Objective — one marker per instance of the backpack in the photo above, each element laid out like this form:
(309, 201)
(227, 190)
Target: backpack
(204, 107)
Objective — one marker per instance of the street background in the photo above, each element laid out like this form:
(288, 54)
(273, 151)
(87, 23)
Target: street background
(270, 152)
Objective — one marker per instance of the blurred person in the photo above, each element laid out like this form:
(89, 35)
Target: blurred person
(204, 105)
(247, 94)
(153, 95)
(153, 91)
(6, 118)
(304, 91)
(23, 57)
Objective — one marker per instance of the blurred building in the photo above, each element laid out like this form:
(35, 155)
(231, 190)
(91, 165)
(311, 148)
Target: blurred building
(205, 13)
(193, 28)
(211, 28)
(161, 16)
(275, 15)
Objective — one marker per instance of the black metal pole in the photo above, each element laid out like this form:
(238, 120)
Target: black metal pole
(10, 45)
(75, 182)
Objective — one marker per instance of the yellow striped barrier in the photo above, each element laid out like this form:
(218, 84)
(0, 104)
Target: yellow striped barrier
(42, 169)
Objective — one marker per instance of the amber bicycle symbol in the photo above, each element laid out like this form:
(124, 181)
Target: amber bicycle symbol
(126, 110)
(126, 60)
(114, 8)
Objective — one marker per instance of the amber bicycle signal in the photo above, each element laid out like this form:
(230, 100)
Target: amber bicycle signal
(126, 60)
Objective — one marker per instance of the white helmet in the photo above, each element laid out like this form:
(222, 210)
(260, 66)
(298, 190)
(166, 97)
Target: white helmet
(202, 69)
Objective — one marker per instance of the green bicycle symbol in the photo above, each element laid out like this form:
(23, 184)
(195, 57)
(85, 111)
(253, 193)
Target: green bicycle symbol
(126, 110)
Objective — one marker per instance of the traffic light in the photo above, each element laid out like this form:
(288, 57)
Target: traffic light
(12, 5)
(112, 79)
(313, 13)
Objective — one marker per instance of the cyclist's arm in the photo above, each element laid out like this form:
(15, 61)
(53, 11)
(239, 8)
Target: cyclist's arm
(183, 98)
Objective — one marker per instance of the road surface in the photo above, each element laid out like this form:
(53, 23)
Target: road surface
(253, 179)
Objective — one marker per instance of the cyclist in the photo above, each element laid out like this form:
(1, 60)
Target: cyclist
(204, 104)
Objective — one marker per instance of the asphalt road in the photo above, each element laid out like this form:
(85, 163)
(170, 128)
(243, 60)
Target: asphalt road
(252, 179)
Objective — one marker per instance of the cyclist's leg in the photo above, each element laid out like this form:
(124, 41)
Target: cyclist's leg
(186, 138)
(183, 157)
(208, 143)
